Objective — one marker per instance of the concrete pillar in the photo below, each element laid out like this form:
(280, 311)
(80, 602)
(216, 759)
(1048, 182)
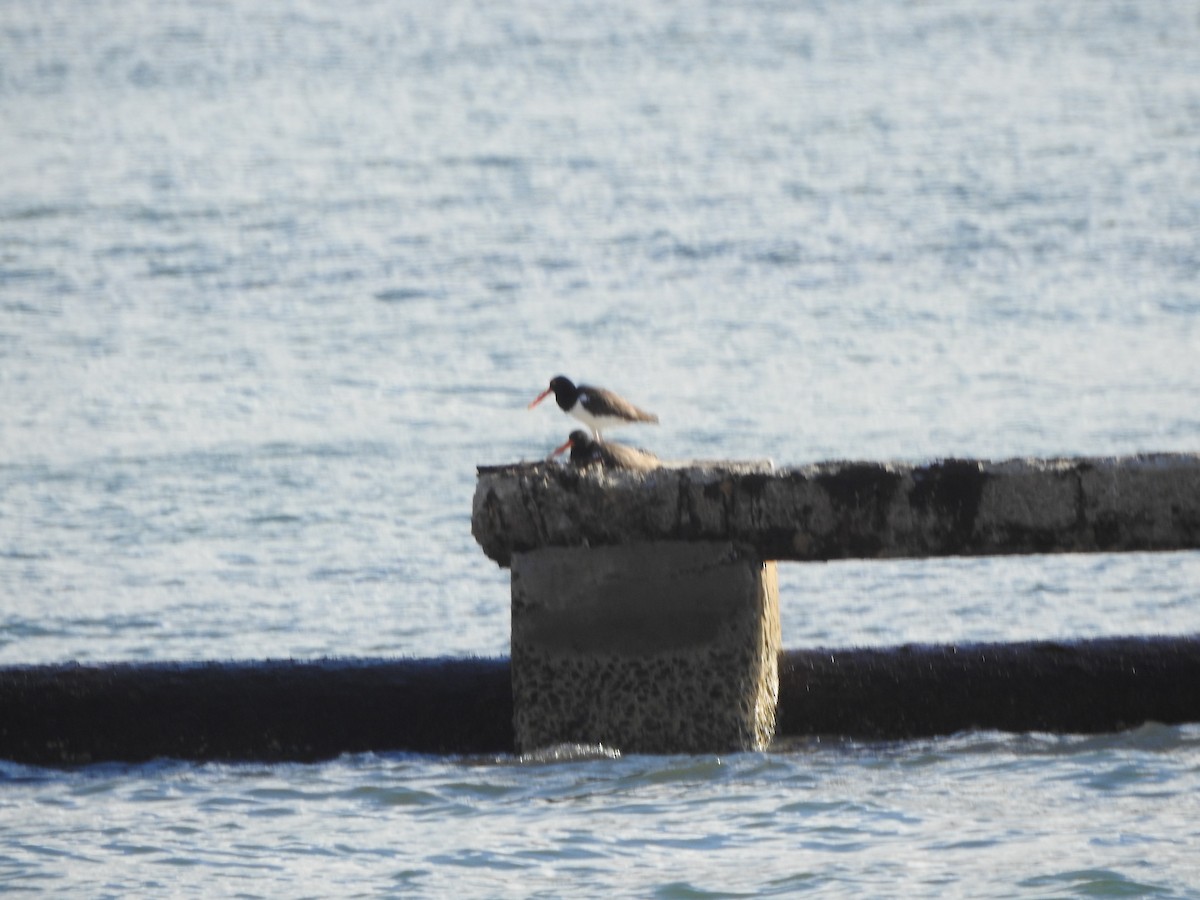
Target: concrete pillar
(657, 647)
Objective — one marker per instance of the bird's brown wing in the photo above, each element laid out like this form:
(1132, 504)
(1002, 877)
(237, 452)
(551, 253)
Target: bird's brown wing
(603, 402)
(619, 456)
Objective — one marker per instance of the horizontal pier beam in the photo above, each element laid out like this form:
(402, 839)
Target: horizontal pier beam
(845, 510)
(306, 711)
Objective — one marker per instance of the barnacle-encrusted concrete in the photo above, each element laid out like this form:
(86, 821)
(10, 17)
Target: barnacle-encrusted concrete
(650, 648)
(849, 509)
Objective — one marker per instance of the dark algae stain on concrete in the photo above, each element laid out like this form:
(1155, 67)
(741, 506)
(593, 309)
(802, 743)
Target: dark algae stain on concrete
(951, 490)
(856, 485)
(860, 495)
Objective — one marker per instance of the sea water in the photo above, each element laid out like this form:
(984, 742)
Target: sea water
(275, 278)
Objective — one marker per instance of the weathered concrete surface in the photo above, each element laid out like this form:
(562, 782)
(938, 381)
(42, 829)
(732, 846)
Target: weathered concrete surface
(846, 509)
(657, 648)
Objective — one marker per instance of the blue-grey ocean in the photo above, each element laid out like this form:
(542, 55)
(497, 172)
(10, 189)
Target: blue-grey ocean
(275, 277)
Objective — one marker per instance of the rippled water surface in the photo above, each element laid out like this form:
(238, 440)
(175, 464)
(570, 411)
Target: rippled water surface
(274, 279)
(984, 815)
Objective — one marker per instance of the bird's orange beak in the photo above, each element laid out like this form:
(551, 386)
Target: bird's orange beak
(564, 447)
(540, 397)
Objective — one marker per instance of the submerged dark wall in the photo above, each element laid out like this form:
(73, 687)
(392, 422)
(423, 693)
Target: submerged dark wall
(304, 711)
(919, 691)
(275, 710)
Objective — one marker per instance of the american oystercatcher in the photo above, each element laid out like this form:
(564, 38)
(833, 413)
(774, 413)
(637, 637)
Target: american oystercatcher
(585, 452)
(595, 407)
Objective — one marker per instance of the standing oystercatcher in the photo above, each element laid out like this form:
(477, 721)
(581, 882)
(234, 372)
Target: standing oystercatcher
(585, 452)
(595, 407)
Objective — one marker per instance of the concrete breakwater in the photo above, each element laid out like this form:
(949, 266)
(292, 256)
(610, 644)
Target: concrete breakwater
(305, 711)
(645, 616)
(631, 587)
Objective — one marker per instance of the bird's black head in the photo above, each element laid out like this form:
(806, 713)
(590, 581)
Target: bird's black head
(584, 449)
(565, 391)
(581, 445)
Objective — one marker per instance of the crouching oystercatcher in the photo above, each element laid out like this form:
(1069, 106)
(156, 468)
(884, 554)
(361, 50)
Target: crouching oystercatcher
(585, 452)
